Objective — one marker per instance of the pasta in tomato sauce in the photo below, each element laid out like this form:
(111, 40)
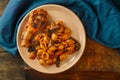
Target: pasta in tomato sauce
(53, 45)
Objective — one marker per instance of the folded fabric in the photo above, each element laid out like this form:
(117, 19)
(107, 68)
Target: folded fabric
(101, 20)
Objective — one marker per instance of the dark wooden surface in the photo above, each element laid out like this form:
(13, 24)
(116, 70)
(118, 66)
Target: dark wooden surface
(97, 63)
(73, 75)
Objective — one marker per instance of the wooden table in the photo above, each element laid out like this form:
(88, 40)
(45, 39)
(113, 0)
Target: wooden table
(97, 63)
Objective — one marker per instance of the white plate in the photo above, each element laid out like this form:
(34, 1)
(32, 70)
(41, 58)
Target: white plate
(56, 12)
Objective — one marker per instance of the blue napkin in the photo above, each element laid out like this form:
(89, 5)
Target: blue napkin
(101, 20)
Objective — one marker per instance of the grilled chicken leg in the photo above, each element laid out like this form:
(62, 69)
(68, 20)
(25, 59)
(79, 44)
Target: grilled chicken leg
(37, 20)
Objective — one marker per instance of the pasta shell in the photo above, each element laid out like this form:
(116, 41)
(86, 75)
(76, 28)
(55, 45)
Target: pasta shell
(54, 36)
(52, 48)
(45, 56)
(42, 62)
(62, 57)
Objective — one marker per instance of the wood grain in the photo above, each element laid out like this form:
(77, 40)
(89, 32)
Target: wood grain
(3, 4)
(73, 75)
(11, 67)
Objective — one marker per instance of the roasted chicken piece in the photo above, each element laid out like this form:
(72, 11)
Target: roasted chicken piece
(36, 21)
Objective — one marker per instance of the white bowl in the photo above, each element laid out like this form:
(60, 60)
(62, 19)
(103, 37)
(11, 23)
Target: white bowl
(56, 13)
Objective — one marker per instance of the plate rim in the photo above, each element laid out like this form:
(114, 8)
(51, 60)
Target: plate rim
(55, 5)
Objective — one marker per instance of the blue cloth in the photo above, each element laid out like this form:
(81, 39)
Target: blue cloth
(101, 19)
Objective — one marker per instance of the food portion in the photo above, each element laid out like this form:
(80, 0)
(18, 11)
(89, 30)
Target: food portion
(53, 45)
(50, 45)
(37, 20)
